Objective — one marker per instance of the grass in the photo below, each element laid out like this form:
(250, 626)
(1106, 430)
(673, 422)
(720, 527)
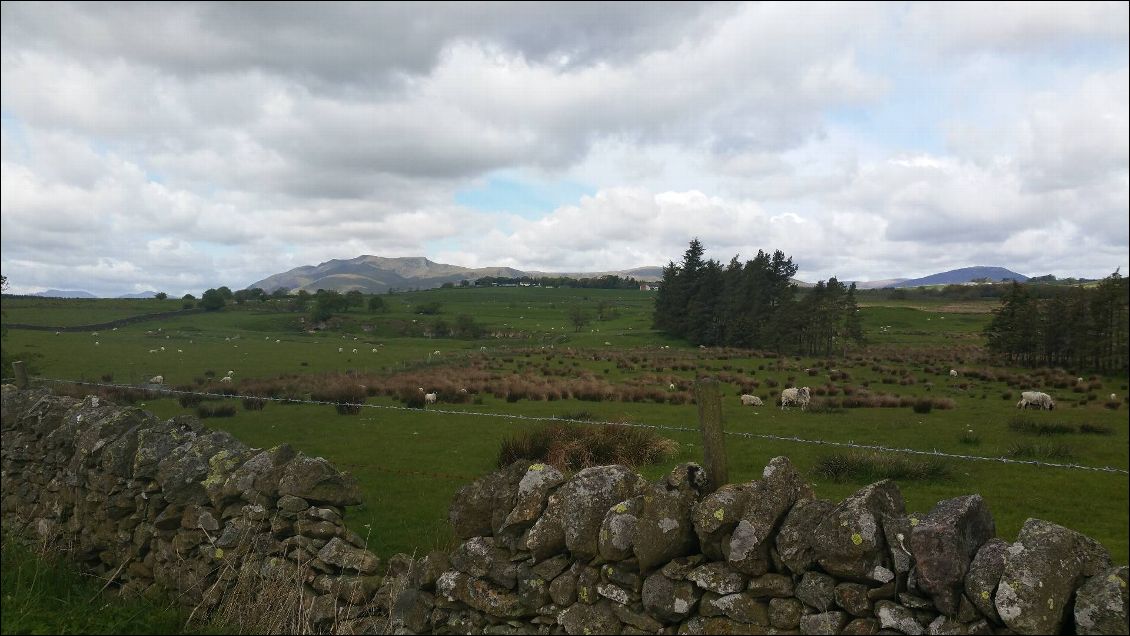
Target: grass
(409, 463)
(45, 594)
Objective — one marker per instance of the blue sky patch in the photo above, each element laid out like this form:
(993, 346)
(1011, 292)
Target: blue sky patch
(531, 199)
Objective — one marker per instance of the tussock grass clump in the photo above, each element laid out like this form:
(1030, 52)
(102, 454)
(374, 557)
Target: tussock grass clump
(1060, 452)
(1028, 426)
(870, 467)
(923, 406)
(969, 439)
(348, 398)
(573, 447)
(1095, 429)
(220, 410)
(254, 403)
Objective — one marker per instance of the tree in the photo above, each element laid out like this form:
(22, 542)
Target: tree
(188, 297)
(578, 317)
(376, 303)
(212, 300)
(224, 293)
(161, 296)
(354, 298)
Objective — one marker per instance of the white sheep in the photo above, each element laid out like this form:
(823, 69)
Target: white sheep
(374, 349)
(671, 387)
(435, 353)
(751, 400)
(1035, 399)
(226, 379)
(230, 372)
(430, 398)
(152, 351)
(354, 351)
(463, 391)
(157, 379)
(340, 350)
(1113, 397)
(180, 350)
(794, 396)
(953, 373)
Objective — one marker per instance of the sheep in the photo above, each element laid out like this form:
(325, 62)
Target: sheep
(953, 373)
(795, 396)
(483, 349)
(96, 343)
(354, 351)
(430, 398)
(1113, 397)
(463, 391)
(751, 400)
(180, 350)
(340, 350)
(226, 379)
(671, 387)
(230, 372)
(1079, 380)
(374, 349)
(1035, 399)
(157, 379)
(152, 351)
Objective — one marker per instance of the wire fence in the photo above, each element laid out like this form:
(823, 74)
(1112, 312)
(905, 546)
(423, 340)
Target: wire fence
(588, 422)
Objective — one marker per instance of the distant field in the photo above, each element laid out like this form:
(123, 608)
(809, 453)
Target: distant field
(410, 463)
(67, 312)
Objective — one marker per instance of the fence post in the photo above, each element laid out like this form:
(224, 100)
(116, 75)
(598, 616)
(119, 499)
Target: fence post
(21, 374)
(708, 397)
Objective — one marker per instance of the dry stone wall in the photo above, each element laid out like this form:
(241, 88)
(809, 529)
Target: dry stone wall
(256, 537)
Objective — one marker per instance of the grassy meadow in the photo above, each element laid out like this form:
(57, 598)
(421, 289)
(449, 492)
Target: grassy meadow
(895, 391)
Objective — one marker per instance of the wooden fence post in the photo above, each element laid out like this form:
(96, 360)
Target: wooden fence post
(21, 374)
(708, 397)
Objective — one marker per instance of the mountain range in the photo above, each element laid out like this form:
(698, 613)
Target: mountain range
(377, 274)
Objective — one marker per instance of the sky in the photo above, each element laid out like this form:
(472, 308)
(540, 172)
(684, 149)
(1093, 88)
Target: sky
(180, 146)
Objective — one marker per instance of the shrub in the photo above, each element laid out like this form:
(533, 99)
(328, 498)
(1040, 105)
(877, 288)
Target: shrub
(254, 404)
(969, 439)
(1041, 451)
(572, 447)
(1095, 429)
(189, 400)
(923, 406)
(1027, 426)
(220, 410)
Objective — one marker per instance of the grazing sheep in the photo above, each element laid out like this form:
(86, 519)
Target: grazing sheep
(953, 373)
(1113, 397)
(230, 372)
(483, 349)
(152, 351)
(180, 350)
(1079, 380)
(162, 348)
(751, 400)
(157, 379)
(1035, 399)
(794, 396)
(671, 387)
(354, 351)
(340, 350)
(435, 353)
(226, 378)
(430, 398)
(463, 391)
(374, 349)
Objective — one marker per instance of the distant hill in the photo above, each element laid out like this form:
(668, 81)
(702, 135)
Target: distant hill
(964, 275)
(377, 274)
(64, 293)
(144, 294)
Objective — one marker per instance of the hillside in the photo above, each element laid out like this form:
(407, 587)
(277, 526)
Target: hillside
(376, 274)
(964, 275)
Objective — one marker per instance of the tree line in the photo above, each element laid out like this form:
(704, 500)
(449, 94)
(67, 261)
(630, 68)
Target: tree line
(754, 305)
(1082, 328)
(607, 281)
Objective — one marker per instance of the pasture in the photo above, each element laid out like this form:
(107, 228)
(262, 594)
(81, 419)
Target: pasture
(410, 462)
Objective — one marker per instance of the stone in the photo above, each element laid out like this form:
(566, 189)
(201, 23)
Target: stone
(861, 627)
(1101, 603)
(624, 573)
(550, 568)
(315, 480)
(983, 576)
(533, 490)
(589, 619)
(667, 600)
(947, 625)
(665, 530)
(638, 620)
(718, 578)
(618, 530)
(587, 496)
(1041, 571)
(290, 503)
(852, 597)
(849, 541)
(547, 536)
(715, 516)
(743, 608)
(563, 589)
(794, 538)
(817, 590)
(767, 503)
(823, 623)
(342, 555)
(771, 585)
(476, 556)
(679, 568)
(944, 543)
(897, 617)
(587, 579)
(785, 613)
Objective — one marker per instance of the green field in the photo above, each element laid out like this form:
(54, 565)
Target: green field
(410, 462)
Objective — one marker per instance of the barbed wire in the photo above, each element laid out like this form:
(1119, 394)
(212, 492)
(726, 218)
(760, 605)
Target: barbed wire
(543, 418)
